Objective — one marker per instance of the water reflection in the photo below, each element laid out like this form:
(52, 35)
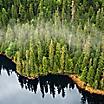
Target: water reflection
(7, 64)
(48, 84)
(53, 84)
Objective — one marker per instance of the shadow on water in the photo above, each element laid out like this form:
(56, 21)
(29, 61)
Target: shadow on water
(47, 84)
(7, 64)
(50, 83)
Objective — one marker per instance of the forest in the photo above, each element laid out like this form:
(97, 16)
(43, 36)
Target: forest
(55, 36)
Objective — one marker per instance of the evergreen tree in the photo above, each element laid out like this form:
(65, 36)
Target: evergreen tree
(63, 9)
(84, 75)
(97, 78)
(45, 64)
(31, 13)
(14, 12)
(32, 58)
(17, 2)
(40, 53)
(18, 62)
(73, 14)
(71, 65)
(51, 54)
(40, 9)
(27, 62)
(22, 13)
(11, 50)
(10, 35)
(102, 84)
(90, 75)
(98, 18)
(62, 59)
(4, 17)
(57, 56)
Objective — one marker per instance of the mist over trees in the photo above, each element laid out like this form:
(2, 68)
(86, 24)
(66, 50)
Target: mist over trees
(57, 36)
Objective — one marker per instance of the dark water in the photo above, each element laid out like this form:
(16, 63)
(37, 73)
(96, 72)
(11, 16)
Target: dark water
(50, 89)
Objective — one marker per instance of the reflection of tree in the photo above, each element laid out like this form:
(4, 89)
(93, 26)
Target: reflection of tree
(91, 98)
(29, 84)
(57, 81)
(53, 81)
(49, 83)
(7, 64)
(0, 68)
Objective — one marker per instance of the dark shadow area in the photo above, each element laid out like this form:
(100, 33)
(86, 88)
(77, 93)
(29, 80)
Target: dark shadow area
(6, 63)
(47, 84)
(90, 98)
(50, 83)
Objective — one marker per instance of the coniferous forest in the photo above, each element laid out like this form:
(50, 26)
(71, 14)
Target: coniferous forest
(55, 36)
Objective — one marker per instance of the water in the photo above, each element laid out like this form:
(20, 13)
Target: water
(50, 89)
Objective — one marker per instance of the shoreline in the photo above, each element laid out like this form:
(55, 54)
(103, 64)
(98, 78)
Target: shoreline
(81, 84)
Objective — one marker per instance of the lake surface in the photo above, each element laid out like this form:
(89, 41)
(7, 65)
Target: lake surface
(50, 89)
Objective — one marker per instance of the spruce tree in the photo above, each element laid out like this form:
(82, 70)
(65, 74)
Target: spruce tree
(51, 54)
(45, 65)
(40, 53)
(18, 62)
(57, 56)
(97, 78)
(22, 13)
(40, 10)
(14, 12)
(70, 65)
(31, 13)
(84, 75)
(90, 75)
(27, 62)
(62, 59)
(4, 17)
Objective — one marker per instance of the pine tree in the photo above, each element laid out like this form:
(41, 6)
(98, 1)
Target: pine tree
(32, 58)
(98, 18)
(4, 17)
(9, 37)
(51, 54)
(91, 12)
(66, 62)
(73, 10)
(40, 53)
(71, 65)
(57, 56)
(40, 9)
(14, 12)
(84, 75)
(22, 13)
(16, 2)
(95, 63)
(101, 61)
(97, 78)
(23, 67)
(45, 65)
(18, 62)
(102, 84)
(90, 75)
(40, 69)
(31, 13)
(62, 59)
(27, 62)
(11, 50)
(63, 9)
